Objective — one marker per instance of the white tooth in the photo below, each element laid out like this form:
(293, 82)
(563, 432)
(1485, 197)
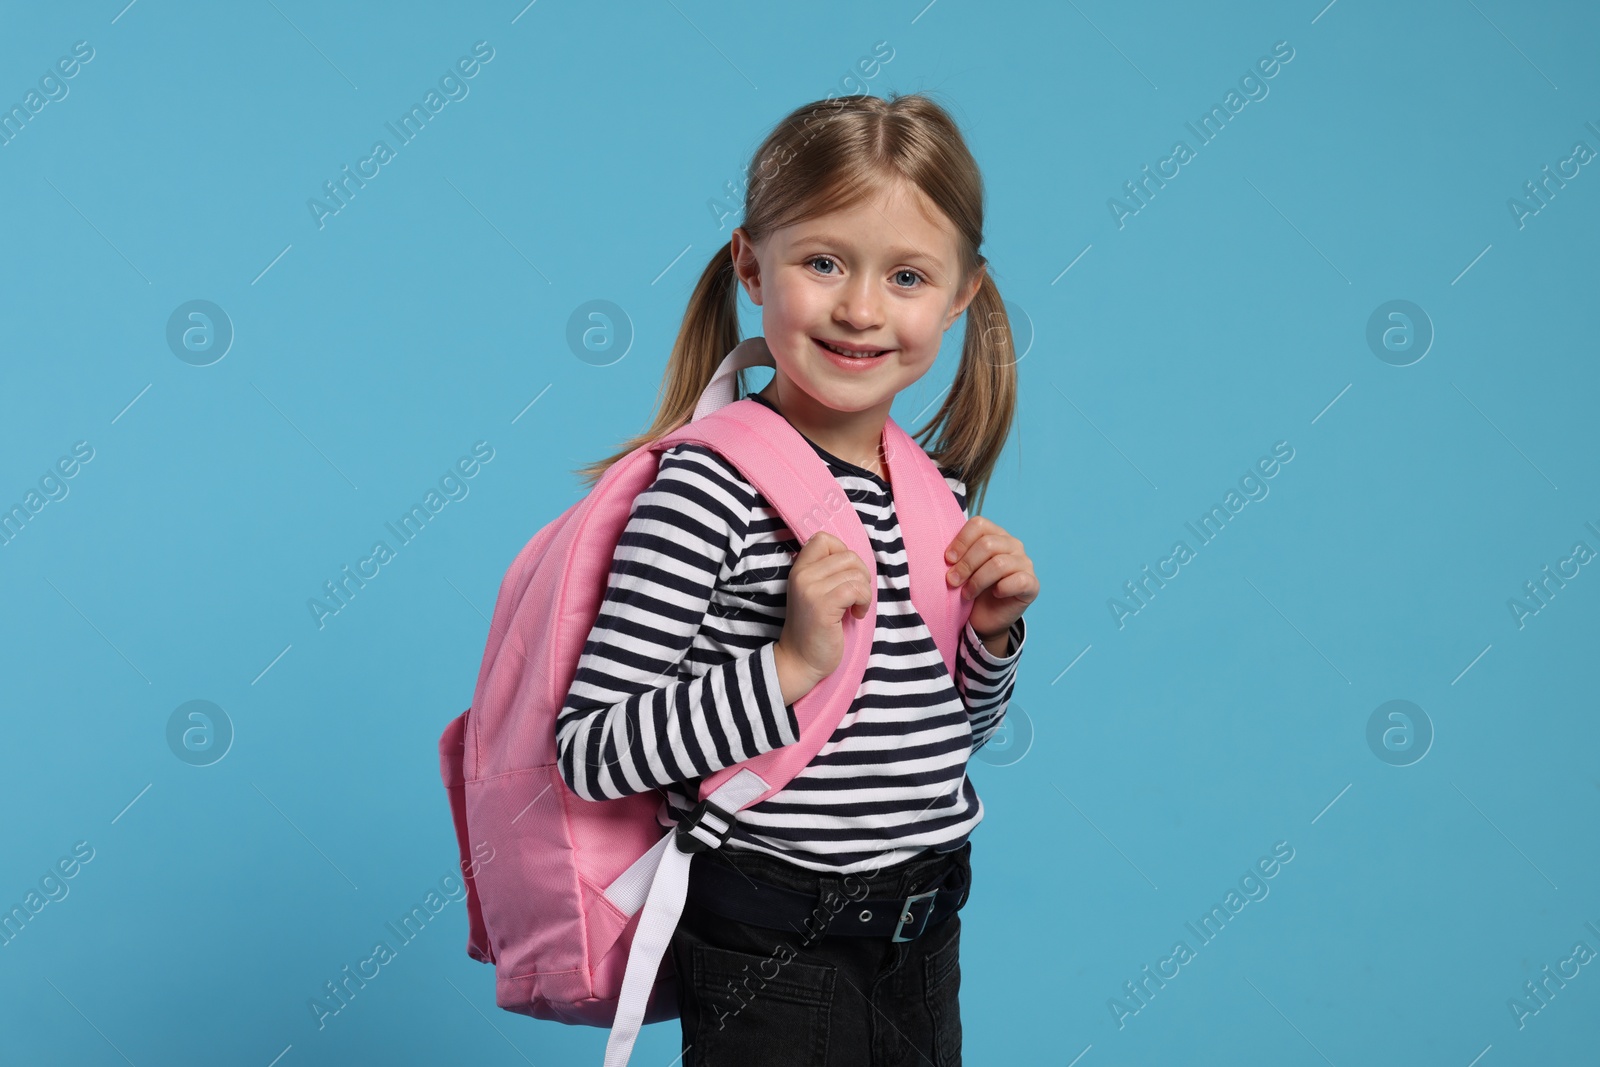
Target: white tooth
(850, 355)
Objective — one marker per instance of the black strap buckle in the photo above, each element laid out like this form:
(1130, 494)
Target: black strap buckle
(689, 841)
(907, 914)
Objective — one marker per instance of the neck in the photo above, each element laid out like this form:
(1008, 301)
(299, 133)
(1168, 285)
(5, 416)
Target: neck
(854, 436)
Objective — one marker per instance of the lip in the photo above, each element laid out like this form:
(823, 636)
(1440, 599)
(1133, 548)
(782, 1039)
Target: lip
(845, 362)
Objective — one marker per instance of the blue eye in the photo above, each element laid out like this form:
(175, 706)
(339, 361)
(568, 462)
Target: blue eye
(899, 274)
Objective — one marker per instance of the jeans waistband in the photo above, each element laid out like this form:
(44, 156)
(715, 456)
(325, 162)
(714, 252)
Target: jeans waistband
(905, 876)
(766, 891)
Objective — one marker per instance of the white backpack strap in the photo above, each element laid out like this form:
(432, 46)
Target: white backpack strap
(669, 887)
(750, 352)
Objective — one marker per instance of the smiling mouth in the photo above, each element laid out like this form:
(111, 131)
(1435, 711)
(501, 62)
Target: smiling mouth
(848, 353)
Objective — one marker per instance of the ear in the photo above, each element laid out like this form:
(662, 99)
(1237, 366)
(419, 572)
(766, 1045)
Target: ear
(968, 292)
(745, 264)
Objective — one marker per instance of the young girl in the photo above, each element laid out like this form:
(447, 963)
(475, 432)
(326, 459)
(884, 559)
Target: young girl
(824, 931)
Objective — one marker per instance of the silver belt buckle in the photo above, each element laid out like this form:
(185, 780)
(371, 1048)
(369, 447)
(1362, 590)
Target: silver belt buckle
(905, 914)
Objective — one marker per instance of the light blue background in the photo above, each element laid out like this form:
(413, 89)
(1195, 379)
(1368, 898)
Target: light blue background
(1229, 314)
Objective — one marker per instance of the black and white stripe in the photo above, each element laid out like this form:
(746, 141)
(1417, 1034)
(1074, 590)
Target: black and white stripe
(677, 679)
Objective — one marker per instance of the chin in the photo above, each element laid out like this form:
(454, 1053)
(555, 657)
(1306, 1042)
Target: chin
(857, 401)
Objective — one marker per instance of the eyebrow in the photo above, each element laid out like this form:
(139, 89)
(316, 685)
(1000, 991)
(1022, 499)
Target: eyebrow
(894, 253)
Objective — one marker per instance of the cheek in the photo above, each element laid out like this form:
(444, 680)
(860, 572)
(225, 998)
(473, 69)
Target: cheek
(923, 329)
(918, 357)
(793, 306)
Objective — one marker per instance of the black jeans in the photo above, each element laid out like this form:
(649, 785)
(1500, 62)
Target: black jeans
(749, 995)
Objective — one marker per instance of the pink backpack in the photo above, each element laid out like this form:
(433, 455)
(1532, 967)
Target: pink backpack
(575, 901)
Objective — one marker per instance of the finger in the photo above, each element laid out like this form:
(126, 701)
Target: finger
(830, 545)
(1021, 586)
(833, 593)
(845, 562)
(969, 532)
(822, 543)
(850, 594)
(864, 581)
(992, 571)
(979, 552)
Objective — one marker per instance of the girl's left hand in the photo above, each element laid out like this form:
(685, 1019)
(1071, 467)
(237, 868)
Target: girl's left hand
(999, 576)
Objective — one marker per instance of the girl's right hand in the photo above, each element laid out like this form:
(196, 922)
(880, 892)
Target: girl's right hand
(826, 580)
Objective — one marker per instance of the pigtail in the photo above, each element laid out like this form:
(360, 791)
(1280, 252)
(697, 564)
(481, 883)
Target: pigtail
(709, 332)
(975, 419)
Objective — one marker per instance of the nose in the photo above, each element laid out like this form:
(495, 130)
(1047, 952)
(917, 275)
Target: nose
(860, 304)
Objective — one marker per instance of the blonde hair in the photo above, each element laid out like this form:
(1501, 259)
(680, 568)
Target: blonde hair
(829, 155)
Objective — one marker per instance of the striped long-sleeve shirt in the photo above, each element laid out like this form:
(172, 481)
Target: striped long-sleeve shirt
(677, 678)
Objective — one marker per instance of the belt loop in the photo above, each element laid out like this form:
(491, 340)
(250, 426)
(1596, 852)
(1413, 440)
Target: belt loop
(817, 923)
(962, 869)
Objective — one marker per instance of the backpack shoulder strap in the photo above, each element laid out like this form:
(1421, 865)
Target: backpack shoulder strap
(785, 470)
(929, 519)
